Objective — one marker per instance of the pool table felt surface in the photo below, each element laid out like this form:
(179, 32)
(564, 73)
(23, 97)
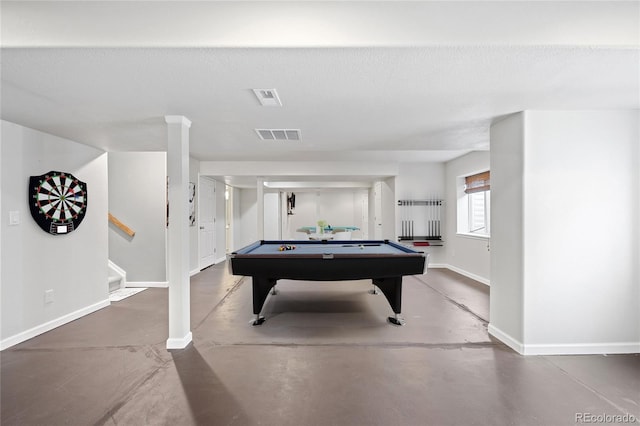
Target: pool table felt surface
(347, 248)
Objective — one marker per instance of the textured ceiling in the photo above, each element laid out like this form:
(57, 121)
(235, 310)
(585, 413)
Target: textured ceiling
(398, 81)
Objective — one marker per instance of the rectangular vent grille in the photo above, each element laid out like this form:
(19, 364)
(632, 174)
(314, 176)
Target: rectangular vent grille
(267, 97)
(279, 134)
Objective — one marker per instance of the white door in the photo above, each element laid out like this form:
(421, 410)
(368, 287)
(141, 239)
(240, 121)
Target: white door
(377, 205)
(228, 215)
(207, 221)
(362, 216)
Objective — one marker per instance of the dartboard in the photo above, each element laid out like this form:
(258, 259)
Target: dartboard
(58, 201)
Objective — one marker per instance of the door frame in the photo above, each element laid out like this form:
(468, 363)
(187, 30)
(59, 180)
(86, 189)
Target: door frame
(199, 219)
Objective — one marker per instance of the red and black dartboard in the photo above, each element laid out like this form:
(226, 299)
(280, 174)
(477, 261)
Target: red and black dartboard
(58, 202)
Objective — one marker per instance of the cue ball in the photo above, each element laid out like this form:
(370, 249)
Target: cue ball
(361, 247)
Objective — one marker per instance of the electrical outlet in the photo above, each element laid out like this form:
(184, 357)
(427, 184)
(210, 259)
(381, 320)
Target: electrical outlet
(48, 296)
(14, 218)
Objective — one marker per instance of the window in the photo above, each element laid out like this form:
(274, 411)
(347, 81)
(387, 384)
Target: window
(474, 204)
(479, 212)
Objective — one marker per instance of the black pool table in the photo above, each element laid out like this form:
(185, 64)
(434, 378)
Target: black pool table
(382, 261)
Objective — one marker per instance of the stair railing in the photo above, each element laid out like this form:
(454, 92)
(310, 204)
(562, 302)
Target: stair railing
(124, 228)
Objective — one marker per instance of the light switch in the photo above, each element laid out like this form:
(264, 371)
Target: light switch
(14, 217)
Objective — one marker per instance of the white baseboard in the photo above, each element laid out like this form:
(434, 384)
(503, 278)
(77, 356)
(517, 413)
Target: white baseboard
(505, 338)
(179, 342)
(583, 348)
(120, 272)
(564, 348)
(154, 284)
(215, 262)
(462, 272)
(50, 325)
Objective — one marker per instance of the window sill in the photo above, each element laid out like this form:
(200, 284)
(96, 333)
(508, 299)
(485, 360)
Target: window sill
(473, 236)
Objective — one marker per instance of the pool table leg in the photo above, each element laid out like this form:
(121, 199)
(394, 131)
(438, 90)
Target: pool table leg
(261, 288)
(392, 290)
(396, 319)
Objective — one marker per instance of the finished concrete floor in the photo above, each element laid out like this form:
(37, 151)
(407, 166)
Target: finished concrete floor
(325, 356)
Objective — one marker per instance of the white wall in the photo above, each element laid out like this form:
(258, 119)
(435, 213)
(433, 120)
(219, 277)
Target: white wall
(421, 181)
(288, 169)
(137, 197)
(507, 214)
(194, 262)
(74, 266)
(372, 211)
(581, 223)
(221, 235)
(305, 213)
(339, 207)
(389, 202)
(467, 255)
(382, 210)
(237, 214)
(246, 223)
(271, 215)
(579, 236)
(360, 203)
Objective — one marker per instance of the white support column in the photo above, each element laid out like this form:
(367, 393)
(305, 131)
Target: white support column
(260, 204)
(178, 233)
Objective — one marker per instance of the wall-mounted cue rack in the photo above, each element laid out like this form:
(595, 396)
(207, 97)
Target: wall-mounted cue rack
(420, 219)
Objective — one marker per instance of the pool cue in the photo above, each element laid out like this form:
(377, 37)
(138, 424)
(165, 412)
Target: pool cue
(411, 225)
(431, 221)
(401, 220)
(433, 217)
(401, 217)
(437, 219)
(404, 218)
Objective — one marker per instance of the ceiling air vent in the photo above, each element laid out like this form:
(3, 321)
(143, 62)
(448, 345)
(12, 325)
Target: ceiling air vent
(267, 97)
(279, 134)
